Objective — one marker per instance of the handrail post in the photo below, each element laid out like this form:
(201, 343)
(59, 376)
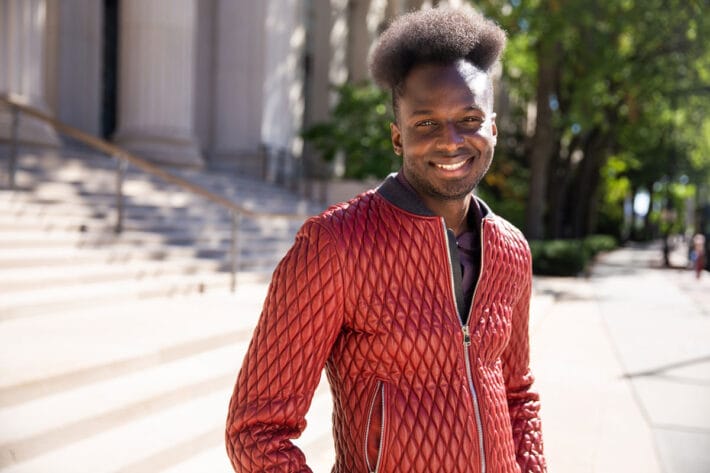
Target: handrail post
(12, 163)
(264, 157)
(120, 177)
(234, 249)
(281, 171)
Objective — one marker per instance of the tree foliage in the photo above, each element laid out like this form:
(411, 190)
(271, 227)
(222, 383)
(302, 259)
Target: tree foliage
(358, 128)
(621, 92)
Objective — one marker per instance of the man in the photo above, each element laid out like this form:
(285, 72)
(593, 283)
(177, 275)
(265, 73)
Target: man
(414, 296)
(698, 254)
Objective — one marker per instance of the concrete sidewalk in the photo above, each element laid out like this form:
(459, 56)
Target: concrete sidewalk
(622, 360)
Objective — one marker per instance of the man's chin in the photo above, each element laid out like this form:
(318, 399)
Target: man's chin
(449, 193)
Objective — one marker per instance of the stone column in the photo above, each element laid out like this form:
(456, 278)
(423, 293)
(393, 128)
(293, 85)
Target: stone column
(317, 104)
(326, 51)
(283, 101)
(156, 80)
(415, 4)
(74, 54)
(238, 85)
(23, 41)
(394, 8)
(322, 18)
(359, 39)
(338, 60)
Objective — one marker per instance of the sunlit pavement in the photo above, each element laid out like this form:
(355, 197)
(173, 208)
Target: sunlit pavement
(622, 361)
(623, 365)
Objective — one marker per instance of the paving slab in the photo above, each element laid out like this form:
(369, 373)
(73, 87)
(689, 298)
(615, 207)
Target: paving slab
(658, 323)
(591, 421)
(683, 451)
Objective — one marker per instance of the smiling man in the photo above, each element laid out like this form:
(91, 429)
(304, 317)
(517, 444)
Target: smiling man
(414, 296)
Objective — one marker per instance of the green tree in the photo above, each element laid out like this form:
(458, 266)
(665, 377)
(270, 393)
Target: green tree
(611, 78)
(358, 128)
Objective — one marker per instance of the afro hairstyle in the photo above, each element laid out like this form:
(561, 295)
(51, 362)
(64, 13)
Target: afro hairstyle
(436, 35)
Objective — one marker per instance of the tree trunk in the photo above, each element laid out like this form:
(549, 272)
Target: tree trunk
(543, 142)
(560, 178)
(647, 230)
(588, 179)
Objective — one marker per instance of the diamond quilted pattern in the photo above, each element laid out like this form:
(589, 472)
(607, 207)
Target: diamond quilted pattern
(366, 291)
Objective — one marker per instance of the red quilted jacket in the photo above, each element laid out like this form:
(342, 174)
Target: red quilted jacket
(371, 290)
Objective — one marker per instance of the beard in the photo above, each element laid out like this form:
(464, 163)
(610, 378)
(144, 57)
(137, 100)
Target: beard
(451, 189)
(454, 190)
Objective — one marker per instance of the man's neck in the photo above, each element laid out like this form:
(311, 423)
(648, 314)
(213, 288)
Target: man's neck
(455, 212)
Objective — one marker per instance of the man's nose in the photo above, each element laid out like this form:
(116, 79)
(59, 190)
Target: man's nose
(451, 137)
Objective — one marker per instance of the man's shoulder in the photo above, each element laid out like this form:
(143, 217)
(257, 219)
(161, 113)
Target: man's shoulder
(502, 225)
(510, 229)
(341, 218)
(359, 206)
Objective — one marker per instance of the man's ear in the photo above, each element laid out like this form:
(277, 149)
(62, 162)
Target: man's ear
(494, 128)
(396, 136)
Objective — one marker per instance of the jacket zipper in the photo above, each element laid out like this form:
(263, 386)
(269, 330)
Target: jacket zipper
(467, 343)
(379, 389)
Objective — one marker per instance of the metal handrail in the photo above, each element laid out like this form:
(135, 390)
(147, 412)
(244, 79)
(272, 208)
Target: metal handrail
(123, 158)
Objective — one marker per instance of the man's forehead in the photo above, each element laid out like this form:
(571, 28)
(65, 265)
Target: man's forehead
(461, 76)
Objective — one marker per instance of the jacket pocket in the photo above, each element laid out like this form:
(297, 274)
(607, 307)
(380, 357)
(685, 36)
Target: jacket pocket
(375, 428)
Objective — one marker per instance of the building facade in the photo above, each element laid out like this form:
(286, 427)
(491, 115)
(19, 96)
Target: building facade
(188, 82)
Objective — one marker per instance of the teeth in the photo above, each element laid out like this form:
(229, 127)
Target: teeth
(451, 167)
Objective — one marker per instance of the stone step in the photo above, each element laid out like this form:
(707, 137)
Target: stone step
(151, 378)
(29, 278)
(81, 170)
(42, 300)
(71, 166)
(28, 209)
(122, 410)
(28, 268)
(11, 258)
(42, 257)
(200, 238)
(102, 191)
(176, 380)
(69, 217)
(140, 184)
(170, 432)
(60, 229)
(133, 445)
(169, 203)
(82, 345)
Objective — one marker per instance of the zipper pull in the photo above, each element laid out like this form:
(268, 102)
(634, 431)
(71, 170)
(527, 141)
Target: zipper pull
(466, 336)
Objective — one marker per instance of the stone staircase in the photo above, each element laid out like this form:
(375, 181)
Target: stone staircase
(58, 246)
(118, 353)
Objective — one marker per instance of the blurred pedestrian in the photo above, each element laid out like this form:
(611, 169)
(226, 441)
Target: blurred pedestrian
(698, 254)
(415, 296)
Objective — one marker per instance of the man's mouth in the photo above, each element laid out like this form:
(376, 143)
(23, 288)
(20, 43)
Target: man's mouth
(452, 167)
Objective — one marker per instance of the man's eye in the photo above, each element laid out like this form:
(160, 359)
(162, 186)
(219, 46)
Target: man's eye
(472, 121)
(425, 123)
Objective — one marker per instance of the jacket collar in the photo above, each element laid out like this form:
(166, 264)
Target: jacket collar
(401, 196)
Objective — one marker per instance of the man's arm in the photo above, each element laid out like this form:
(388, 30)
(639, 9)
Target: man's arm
(299, 323)
(523, 403)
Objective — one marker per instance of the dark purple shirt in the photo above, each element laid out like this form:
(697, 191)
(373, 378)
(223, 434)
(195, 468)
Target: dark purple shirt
(469, 245)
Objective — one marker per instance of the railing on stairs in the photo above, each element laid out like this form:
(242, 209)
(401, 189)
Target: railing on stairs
(123, 158)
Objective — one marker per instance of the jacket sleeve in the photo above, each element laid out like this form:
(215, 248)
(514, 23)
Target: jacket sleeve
(300, 321)
(523, 402)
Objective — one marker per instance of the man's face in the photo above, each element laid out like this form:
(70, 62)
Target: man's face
(445, 129)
